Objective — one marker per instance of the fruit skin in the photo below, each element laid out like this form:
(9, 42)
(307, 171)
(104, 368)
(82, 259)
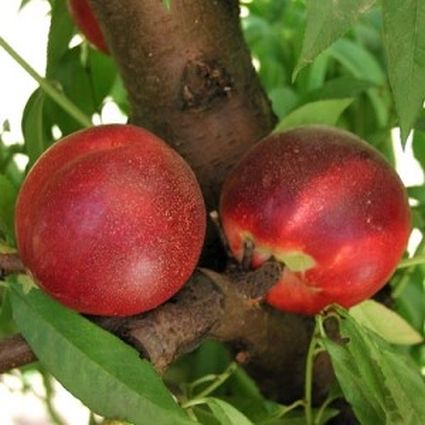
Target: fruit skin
(327, 195)
(110, 221)
(83, 16)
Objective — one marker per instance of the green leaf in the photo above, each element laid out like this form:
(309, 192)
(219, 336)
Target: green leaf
(417, 192)
(341, 87)
(103, 372)
(32, 126)
(7, 325)
(419, 146)
(283, 99)
(60, 34)
(7, 208)
(385, 322)
(102, 72)
(381, 383)
(297, 417)
(76, 85)
(23, 4)
(358, 61)
(411, 301)
(226, 413)
(119, 95)
(404, 40)
(75, 79)
(321, 112)
(328, 20)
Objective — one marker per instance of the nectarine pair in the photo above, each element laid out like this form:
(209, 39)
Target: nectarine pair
(111, 220)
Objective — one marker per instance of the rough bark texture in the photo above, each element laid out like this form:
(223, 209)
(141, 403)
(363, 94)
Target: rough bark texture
(190, 80)
(10, 263)
(15, 352)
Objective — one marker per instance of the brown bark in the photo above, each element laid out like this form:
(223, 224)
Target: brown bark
(10, 263)
(190, 80)
(14, 352)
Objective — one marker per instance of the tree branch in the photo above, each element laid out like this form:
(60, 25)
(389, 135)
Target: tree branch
(15, 352)
(10, 263)
(211, 305)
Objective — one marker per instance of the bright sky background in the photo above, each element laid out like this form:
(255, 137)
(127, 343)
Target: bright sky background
(27, 33)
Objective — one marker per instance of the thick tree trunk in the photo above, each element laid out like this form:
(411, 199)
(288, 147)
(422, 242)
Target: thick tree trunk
(190, 80)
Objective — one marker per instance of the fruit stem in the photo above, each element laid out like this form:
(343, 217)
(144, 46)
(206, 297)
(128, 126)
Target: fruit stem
(308, 386)
(47, 87)
(248, 253)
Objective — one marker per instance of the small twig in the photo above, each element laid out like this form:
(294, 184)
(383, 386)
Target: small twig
(10, 263)
(218, 381)
(248, 253)
(255, 284)
(15, 352)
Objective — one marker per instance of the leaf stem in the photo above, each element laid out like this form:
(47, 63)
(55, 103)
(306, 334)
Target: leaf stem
(329, 399)
(308, 386)
(414, 261)
(194, 402)
(291, 407)
(220, 379)
(47, 87)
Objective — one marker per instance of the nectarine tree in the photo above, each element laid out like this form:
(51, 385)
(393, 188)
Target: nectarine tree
(211, 79)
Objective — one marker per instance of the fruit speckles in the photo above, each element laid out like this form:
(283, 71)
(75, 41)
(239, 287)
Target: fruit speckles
(110, 221)
(325, 193)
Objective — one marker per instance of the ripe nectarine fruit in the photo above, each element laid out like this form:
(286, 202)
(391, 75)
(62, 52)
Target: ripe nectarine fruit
(328, 206)
(110, 221)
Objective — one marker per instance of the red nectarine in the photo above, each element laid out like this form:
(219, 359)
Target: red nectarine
(327, 205)
(110, 221)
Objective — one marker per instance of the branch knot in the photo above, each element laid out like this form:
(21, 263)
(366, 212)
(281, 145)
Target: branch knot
(204, 82)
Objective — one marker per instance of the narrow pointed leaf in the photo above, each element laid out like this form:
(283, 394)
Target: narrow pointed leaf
(385, 322)
(328, 20)
(8, 193)
(404, 40)
(226, 413)
(103, 372)
(381, 383)
(32, 126)
(60, 33)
